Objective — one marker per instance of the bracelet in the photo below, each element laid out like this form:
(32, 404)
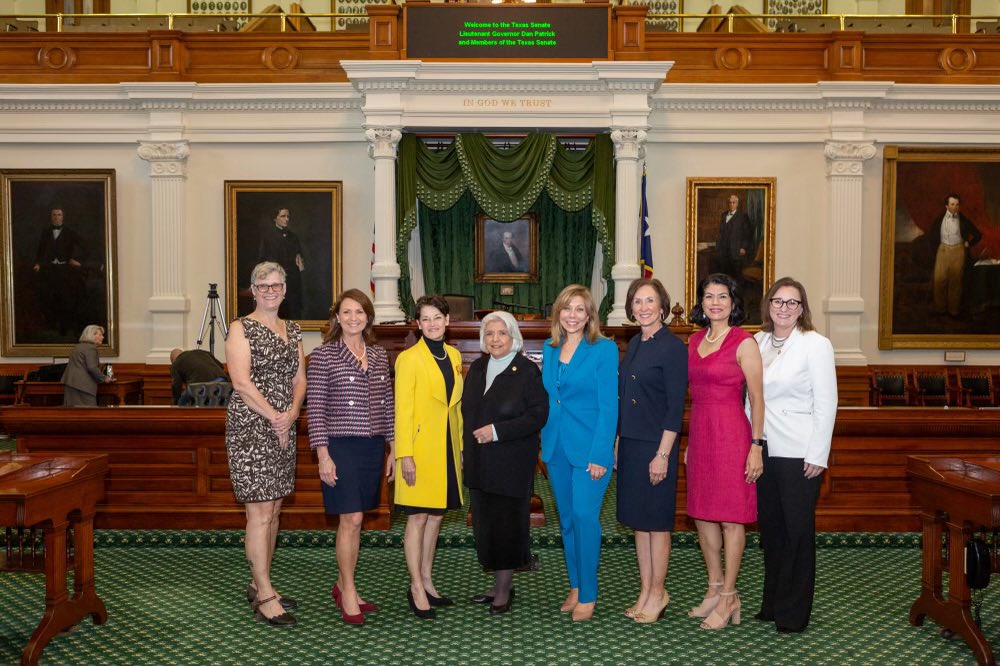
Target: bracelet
(758, 442)
(663, 454)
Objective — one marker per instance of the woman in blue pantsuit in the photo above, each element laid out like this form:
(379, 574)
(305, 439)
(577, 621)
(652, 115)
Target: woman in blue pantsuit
(580, 373)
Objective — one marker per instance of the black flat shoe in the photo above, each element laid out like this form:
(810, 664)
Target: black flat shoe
(282, 620)
(439, 601)
(286, 602)
(788, 630)
(503, 608)
(428, 614)
(763, 617)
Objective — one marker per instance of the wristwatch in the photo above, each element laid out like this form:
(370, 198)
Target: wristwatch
(758, 442)
(663, 454)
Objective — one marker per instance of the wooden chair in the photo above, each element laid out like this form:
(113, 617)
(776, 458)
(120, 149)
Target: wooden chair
(933, 387)
(8, 388)
(889, 387)
(976, 387)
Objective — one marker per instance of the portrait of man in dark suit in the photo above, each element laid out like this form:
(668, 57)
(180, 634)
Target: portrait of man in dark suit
(507, 258)
(734, 247)
(59, 258)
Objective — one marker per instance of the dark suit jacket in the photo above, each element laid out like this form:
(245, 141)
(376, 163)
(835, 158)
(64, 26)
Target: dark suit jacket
(651, 392)
(194, 365)
(67, 246)
(83, 372)
(970, 234)
(517, 406)
(735, 235)
(499, 261)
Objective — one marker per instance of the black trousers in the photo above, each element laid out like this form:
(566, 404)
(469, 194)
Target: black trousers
(786, 514)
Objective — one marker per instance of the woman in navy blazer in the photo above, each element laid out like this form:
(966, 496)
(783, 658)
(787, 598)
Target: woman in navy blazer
(580, 373)
(652, 383)
(800, 405)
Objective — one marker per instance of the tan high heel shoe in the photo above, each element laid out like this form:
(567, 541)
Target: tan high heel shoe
(717, 621)
(571, 600)
(707, 605)
(642, 618)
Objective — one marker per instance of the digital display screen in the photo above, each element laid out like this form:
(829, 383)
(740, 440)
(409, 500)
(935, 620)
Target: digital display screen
(469, 32)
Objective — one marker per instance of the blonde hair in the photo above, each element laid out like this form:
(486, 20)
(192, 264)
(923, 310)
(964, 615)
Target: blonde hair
(265, 268)
(592, 332)
(90, 333)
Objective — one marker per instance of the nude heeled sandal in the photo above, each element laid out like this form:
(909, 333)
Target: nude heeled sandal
(707, 605)
(734, 614)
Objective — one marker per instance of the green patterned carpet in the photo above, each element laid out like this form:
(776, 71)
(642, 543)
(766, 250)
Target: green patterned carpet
(176, 598)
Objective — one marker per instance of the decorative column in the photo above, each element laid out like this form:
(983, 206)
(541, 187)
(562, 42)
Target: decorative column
(168, 304)
(628, 151)
(845, 304)
(382, 145)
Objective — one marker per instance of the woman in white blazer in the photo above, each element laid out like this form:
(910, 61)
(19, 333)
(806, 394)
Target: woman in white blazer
(800, 405)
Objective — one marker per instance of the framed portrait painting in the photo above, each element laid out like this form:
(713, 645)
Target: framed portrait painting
(59, 254)
(940, 272)
(297, 224)
(730, 229)
(507, 251)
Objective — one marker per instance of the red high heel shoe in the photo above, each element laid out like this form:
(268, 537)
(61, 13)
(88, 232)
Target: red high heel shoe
(365, 607)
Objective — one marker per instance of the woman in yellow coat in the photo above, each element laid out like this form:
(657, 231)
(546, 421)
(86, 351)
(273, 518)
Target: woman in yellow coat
(428, 447)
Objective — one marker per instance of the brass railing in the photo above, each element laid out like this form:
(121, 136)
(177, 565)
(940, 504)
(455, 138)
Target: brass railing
(654, 21)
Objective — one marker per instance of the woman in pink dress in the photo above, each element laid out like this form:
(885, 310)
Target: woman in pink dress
(724, 453)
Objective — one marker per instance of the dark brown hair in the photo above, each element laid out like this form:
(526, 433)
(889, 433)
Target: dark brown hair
(335, 332)
(805, 319)
(434, 300)
(660, 290)
(736, 317)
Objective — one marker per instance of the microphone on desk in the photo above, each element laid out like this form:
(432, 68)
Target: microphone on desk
(530, 308)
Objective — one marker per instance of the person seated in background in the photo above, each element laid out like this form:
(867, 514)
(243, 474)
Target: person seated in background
(193, 365)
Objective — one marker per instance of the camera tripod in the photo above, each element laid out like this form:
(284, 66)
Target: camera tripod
(212, 317)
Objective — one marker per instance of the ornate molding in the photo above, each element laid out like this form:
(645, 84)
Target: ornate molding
(382, 142)
(166, 158)
(629, 143)
(845, 158)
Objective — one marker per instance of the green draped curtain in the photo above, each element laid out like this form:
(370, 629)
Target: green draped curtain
(572, 188)
(565, 253)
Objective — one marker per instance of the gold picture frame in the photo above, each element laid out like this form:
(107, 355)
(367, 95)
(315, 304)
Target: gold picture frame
(498, 260)
(57, 283)
(311, 244)
(915, 184)
(753, 224)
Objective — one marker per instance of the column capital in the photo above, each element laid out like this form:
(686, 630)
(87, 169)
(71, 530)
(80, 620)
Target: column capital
(629, 143)
(166, 158)
(846, 158)
(383, 142)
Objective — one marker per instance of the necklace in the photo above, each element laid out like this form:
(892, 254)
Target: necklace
(777, 342)
(442, 357)
(364, 352)
(710, 340)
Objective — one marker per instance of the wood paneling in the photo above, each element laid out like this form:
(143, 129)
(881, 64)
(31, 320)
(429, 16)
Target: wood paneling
(315, 57)
(168, 465)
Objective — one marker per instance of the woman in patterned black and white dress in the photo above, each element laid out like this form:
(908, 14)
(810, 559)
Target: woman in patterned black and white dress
(266, 364)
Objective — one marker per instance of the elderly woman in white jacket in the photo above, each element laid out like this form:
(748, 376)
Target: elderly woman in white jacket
(800, 405)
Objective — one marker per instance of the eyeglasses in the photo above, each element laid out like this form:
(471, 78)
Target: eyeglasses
(791, 303)
(277, 287)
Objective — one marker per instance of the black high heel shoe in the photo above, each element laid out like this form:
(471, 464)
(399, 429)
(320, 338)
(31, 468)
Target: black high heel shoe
(428, 614)
(286, 602)
(438, 601)
(503, 608)
(282, 620)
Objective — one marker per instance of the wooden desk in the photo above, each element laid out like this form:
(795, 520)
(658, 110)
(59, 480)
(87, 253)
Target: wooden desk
(52, 493)
(963, 494)
(125, 391)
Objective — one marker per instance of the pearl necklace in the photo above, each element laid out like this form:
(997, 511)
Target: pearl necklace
(710, 340)
(364, 352)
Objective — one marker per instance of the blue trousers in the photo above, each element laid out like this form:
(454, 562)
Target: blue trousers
(578, 500)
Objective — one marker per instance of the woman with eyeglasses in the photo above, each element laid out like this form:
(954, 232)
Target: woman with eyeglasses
(267, 368)
(800, 394)
(724, 452)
